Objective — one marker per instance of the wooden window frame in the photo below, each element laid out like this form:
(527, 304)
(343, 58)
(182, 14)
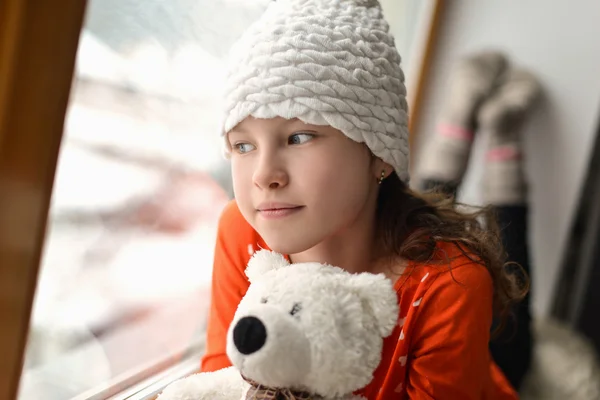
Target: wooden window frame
(427, 38)
(38, 44)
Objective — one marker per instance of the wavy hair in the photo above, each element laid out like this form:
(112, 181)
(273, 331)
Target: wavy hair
(410, 225)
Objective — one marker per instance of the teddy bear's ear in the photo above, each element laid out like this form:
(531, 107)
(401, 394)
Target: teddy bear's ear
(379, 294)
(263, 261)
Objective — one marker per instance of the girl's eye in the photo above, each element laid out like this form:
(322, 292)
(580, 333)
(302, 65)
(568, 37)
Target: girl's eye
(243, 147)
(300, 138)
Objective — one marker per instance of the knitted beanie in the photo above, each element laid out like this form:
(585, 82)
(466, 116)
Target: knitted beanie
(325, 62)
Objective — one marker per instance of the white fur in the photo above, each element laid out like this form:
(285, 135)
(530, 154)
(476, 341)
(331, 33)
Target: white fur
(263, 261)
(220, 385)
(330, 347)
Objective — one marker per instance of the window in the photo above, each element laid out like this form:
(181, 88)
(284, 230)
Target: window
(124, 278)
(125, 273)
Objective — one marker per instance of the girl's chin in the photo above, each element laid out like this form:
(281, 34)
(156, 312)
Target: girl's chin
(288, 246)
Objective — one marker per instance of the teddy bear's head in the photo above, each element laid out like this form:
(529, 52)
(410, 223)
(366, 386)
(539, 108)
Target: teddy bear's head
(311, 326)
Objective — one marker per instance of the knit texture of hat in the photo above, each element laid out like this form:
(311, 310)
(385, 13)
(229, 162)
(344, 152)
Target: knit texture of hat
(325, 62)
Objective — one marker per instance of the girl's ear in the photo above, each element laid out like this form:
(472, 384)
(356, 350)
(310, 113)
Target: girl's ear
(380, 169)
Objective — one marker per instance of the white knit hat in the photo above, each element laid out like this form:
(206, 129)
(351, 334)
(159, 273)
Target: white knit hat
(325, 62)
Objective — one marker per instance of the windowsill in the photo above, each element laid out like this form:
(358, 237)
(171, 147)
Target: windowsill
(139, 351)
(151, 388)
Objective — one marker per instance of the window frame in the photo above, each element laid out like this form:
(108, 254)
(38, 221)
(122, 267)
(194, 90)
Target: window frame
(426, 38)
(38, 46)
(38, 43)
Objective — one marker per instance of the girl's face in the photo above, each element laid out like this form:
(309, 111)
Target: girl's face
(299, 185)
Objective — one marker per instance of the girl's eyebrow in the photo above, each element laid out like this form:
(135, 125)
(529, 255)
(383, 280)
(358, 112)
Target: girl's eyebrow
(285, 124)
(299, 126)
(238, 130)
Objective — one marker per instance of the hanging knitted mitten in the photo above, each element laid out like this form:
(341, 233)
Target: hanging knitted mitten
(503, 117)
(445, 155)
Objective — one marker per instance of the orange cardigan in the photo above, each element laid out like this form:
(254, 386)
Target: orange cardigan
(439, 349)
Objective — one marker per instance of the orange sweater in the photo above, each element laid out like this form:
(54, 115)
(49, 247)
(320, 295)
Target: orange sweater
(439, 350)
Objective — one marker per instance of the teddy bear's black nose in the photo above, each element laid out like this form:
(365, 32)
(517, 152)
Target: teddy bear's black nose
(249, 335)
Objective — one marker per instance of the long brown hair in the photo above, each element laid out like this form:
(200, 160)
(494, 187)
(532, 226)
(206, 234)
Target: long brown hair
(410, 225)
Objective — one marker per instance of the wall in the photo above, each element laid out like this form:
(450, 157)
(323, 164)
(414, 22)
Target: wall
(559, 42)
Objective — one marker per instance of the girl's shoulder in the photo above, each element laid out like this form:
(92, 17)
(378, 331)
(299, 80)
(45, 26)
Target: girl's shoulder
(449, 263)
(453, 275)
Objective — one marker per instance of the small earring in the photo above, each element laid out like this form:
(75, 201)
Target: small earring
(382, 177)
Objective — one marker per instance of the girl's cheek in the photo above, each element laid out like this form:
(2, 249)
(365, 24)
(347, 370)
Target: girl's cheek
(242, 175)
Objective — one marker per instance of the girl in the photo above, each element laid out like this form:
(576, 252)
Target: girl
(316, 128)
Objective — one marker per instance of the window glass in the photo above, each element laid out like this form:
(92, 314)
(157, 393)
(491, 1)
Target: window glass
(140, 183)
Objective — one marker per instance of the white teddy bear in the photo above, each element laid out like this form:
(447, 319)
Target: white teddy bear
(302, 331)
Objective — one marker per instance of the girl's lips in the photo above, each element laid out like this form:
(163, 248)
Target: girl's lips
(278, 213)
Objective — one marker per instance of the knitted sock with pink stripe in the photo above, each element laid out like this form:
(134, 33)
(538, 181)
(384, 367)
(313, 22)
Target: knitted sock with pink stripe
(445, 153)
(503, 117)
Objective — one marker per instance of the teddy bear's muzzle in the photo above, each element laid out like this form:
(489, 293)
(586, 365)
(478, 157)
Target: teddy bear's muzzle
(269, 346)
(249, 335)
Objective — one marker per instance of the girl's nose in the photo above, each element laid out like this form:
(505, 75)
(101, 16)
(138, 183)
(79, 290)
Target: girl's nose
(270, 174)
